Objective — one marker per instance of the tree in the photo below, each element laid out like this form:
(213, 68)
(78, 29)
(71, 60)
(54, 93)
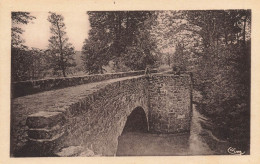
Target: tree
(216, 43)
(19, 18)
(62, 51)
(121, 37)
(223, 69)
(93, 60)
(20, 55)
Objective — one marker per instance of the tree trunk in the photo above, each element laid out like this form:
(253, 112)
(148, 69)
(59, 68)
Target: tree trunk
(61, 53)
(101, 70)
(244, 31)
(63, 72)
(127, 27)
(226, 38)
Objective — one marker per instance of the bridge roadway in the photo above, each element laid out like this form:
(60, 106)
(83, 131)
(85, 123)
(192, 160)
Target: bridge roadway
(54, 100)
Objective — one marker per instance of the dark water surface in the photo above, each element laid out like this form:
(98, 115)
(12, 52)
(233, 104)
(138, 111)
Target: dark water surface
(199, 142)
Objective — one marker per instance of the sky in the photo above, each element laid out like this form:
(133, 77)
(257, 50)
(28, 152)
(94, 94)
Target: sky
(37, 33)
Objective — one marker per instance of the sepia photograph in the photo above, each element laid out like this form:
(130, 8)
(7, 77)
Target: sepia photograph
(130, 83)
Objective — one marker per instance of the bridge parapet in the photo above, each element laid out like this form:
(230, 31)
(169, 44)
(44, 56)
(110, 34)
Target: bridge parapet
(23, 88)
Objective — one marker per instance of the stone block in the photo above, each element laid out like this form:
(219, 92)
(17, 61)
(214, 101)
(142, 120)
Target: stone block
(70, 151)
(44, 119)
(181, 116)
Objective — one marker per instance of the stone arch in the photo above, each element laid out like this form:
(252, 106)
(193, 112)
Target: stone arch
(136, 121)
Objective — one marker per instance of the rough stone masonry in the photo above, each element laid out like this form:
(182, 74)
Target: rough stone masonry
(170, 107)
(92, 116)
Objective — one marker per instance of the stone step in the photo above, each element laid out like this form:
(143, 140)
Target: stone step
(46, 147)
(45, 133)
(44, 119)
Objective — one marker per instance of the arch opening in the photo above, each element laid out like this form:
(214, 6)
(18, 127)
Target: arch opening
(136, 121)
(136, 124)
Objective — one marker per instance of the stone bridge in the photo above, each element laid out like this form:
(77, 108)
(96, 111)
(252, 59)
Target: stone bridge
(48, 117)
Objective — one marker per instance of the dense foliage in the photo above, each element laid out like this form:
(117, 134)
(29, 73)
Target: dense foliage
(121, 37)
(28, 64)
(215, 46)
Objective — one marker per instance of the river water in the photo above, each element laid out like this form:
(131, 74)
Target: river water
(199, 142)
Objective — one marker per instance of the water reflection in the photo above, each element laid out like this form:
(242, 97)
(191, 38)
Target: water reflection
(144, 144)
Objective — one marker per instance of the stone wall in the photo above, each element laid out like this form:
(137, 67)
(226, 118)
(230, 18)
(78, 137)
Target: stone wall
(94, 122)
(170, 103)
(34, 86)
